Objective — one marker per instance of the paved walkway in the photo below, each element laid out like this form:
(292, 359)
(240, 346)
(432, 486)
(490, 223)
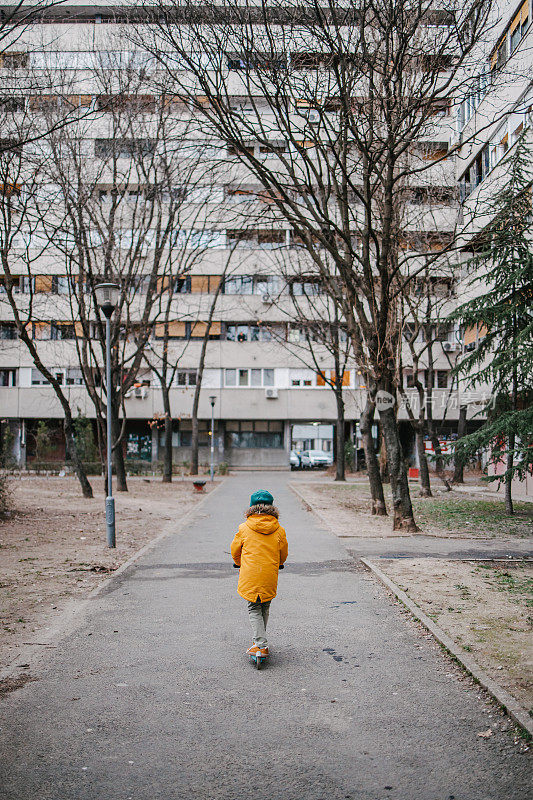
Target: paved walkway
(151, 698)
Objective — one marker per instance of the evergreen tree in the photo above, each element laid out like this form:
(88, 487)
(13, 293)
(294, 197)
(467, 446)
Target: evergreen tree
(501, 313)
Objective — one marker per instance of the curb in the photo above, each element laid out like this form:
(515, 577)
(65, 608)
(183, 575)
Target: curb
(497, 692)
(72, 617)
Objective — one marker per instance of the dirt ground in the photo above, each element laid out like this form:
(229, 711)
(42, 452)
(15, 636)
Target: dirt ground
(447, 514)
(486, 607)
(335, 504)
(53, 548)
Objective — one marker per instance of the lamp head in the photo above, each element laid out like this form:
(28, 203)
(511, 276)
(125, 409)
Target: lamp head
(212, 399)
(107, 297)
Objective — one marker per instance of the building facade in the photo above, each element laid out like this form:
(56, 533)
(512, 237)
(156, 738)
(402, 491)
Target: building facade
(267, 383)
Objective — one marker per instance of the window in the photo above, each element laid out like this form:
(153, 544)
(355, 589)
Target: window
(14, 60)
(124, 148)
(309, 287)
(60, 284)
(519, 25)
(328, 377)
(301, 382)
(230, 377)
(250, 284)
(239, 284)
(263, 239)
(8, 330)
(441, 379)
(499, 56)
(243, 332)
(62, 330)
(254, 377)
(8, 377)
(12, 104)
(186, 330)
(182, 285)
(308, 61)
(433, 151)
(476, 172)
(74, 376)
(254, 434)
(186, 377)
(38, 379)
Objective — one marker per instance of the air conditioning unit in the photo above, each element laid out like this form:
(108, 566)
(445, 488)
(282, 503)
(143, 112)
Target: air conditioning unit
(139, 392)
(266, 298)
(313, 117)
(271, 394)
(450, 347)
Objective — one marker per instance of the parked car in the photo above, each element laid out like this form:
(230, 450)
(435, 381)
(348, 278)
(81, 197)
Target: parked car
(295, 460)
(316, 459)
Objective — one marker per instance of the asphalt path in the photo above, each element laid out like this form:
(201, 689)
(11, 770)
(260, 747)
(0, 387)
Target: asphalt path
(151, 696)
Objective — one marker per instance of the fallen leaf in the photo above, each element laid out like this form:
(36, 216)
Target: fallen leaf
(485, 734)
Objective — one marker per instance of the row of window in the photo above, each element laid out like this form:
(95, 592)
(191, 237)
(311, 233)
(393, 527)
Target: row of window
(506, 45)
(239, 332)
(235, 378)
(134, 59)
(254, 434)
(264, 285)
(510, 40)
(441, 378)
(215, 239)
(142, 148)
(492, 153)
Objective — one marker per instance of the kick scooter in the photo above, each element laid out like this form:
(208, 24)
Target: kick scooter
(256, 658)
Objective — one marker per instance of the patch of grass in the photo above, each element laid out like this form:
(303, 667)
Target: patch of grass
(473, 516)
(518, 585)
(453, 512)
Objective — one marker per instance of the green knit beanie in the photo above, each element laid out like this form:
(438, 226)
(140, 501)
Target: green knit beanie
(261, 497)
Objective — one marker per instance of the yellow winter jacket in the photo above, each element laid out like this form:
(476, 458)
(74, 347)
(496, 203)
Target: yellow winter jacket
(259, 547)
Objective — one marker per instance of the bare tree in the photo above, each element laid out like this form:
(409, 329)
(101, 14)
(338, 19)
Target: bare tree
(316, 335)
(338, 96)
(22, 245)
(425, 330)
(118, 196)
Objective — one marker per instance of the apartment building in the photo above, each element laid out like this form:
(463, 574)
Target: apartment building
(259, 371)
(490, 123)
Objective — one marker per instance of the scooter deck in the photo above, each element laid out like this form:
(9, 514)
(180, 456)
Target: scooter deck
(258, 661)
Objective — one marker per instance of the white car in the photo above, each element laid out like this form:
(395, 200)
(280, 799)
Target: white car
(316, 459)
(294, 460)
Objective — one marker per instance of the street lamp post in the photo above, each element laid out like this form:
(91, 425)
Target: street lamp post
(107, 298)
(212, 400)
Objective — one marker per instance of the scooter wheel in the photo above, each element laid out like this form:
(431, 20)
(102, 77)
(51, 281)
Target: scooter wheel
(258, 662)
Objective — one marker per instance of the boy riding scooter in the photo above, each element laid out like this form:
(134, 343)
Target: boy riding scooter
(260, 549)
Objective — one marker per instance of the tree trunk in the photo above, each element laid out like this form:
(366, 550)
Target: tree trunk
(372, 466)
(340, 461)
(383, 465)
(197, 390)
(167, 453)
(439, 466)
(72, 448)
(425, 485)
(458, 462)
(509, 476)
(118, 458)
(194, 435)
(403, 518)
